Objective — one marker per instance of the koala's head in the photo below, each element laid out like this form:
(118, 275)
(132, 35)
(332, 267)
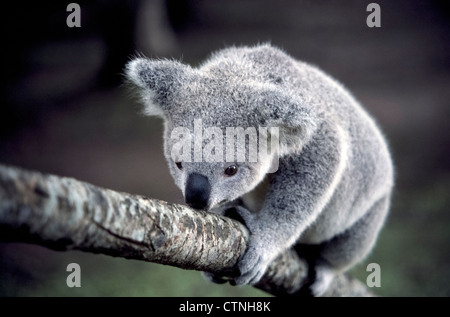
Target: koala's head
(211, 116)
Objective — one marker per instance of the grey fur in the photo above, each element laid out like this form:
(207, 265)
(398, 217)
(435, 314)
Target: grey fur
(335, 176)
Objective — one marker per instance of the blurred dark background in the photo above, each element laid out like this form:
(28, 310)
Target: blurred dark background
(65, 110)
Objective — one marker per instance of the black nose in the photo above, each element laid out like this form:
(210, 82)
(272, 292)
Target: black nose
(197, 191)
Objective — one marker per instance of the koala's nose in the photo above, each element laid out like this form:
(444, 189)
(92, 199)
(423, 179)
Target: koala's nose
(197, 191)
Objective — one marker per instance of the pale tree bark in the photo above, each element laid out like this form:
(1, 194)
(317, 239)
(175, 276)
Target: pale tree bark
(65, 214)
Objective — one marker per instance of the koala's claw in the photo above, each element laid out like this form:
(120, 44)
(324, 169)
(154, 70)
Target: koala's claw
(252, 267)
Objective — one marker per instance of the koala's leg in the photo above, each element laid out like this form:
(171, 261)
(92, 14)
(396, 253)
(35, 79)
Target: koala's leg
(297, 193)
(348, 248)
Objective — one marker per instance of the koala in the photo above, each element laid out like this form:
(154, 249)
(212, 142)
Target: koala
(329, 194)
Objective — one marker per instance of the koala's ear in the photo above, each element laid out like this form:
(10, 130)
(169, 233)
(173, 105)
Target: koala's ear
(157, 81)
(297, 121)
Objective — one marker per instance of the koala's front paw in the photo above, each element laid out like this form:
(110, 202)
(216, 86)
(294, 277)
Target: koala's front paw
(252, 266)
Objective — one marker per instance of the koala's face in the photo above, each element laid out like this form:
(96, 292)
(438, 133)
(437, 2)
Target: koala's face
(207, 185)
(200, 169)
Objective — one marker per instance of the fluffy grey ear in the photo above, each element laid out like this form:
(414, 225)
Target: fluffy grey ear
(296, 120)
(157, 81)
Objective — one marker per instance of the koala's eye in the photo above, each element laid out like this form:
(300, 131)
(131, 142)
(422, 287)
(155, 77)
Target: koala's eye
(179, 165)
(231, 170)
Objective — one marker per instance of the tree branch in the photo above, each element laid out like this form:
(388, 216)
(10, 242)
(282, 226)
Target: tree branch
(65, 214)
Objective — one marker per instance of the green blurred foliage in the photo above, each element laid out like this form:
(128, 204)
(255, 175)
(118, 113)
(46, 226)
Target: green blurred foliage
(35, 271)
(413, 250)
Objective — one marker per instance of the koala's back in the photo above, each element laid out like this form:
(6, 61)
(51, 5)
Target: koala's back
(267, 65)
(368, 174)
